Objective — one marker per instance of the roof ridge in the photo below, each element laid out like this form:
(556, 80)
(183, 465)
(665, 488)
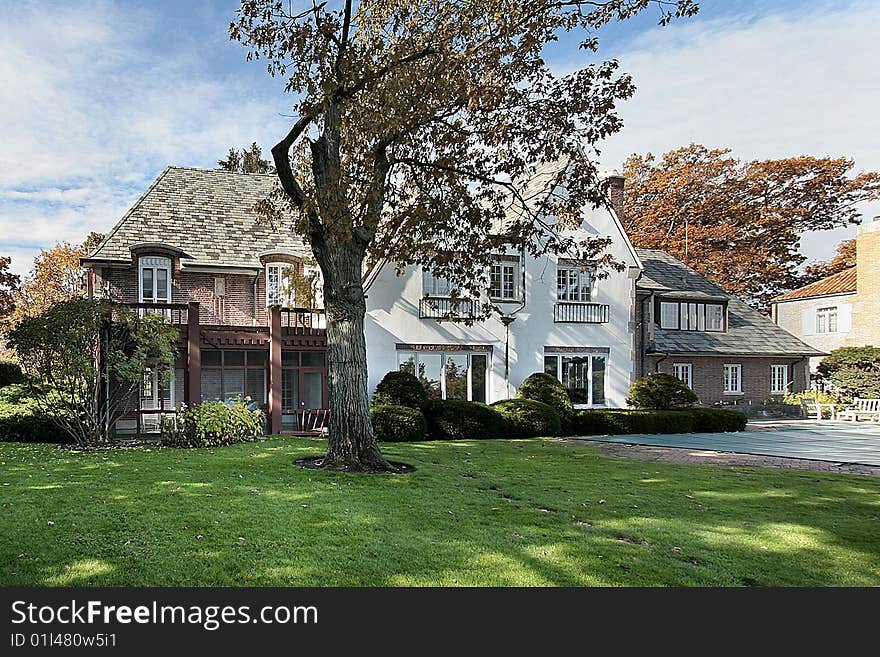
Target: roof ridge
(216, 170)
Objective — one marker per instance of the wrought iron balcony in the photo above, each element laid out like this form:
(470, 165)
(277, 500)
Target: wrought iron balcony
(580, 313)
(446, 308)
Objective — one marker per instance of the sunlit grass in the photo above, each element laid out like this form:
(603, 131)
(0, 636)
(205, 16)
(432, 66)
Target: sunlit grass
(525, 513)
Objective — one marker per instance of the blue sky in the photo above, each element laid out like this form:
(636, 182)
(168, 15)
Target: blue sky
(98, 97)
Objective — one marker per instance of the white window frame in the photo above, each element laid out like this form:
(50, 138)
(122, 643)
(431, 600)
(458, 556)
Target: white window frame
(778, 379)
(277, 297)
(673, 307)
(711, 327)
(824, 319)
(434, 286)
(507, 275)
(404, 355)
(575, 278)
(154, 264)
(684, 372)
(729, 370)
(605, 356)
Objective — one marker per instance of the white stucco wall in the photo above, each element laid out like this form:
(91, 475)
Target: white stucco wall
(393, 317)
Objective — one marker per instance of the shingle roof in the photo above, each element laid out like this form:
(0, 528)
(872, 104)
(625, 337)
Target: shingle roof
(843, 282)
(206, 213)
(749, 332)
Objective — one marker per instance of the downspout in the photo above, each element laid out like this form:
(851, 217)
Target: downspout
(507, 319)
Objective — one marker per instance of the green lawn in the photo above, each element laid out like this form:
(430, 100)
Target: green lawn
(475, 513)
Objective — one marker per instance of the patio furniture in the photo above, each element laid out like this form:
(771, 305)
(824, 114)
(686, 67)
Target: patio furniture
(813, 407)
(867, 408)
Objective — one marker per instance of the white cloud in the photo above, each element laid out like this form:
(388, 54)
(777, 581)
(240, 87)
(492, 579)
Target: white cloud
(776, 86)
(92, 111)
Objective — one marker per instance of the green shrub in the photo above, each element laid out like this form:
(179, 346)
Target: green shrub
(547, 389)
(660, 391)
(21, 419)
(400, 389)
(712, 420)
(452, 419)
(10, 373)
(621, 422)
(796, 398)
(212, 424)
(394, 424)
(527, 418)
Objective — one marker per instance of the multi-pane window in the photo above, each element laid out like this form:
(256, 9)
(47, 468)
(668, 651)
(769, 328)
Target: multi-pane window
(691, 316)
(826, 320)
(279, 285)
(573, 284)
(155, 279)
(778, 379)
(448, 375)
(503, 281)
(435, 286)
(582, 376)
(684, 372)
(732, 379)
(234, 375)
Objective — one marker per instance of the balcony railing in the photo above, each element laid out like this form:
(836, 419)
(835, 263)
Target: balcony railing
(175, 312)
(448, 308)
(303, 318)
(580, 313)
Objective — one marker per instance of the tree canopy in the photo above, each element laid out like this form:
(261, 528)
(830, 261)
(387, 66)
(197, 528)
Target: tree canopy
(431, 133)
(739, 222)
(9, 283)
(248, 160)
(844, 258)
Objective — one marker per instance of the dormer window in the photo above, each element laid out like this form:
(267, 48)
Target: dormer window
(155, 279)
(279, 285)
(692, 316)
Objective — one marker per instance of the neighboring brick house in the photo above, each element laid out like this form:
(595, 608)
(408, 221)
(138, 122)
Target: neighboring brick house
(192, 247)
(840, 310)
(726, 351)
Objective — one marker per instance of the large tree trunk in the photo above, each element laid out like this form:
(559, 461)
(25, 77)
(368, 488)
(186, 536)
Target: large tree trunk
(352, 443)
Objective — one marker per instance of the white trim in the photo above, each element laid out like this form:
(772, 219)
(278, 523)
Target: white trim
(590, 355)
(776, 390)
(154, 264)
(689, 369)
(738, 368)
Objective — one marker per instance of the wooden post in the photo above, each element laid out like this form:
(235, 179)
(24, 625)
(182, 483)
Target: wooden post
(274, 369)
(193, 389)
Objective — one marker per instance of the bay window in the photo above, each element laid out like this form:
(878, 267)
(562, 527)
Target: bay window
(582, 376)
(448, 374)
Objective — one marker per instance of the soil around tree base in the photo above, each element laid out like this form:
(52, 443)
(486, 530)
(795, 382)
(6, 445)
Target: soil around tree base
(317, 463)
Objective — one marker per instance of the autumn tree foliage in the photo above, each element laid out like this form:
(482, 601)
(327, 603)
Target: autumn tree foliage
(421, 128)
(248, 160)
(844, 258)
(9, 283)
(739, 222)
(56, 276)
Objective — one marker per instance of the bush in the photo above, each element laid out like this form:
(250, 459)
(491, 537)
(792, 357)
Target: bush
(400, 389)
(527, 418)
(22, 420)
(547, 389)
(796, 398)
(212, 424)
(452, 419)
(660, 391)
(10, 373)
(622, 422)
(713, 420)
(394, 424)
(854, 371)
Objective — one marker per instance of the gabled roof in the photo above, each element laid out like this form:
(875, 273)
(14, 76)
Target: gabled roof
(205, 213)
(843, 282)
(749, 332)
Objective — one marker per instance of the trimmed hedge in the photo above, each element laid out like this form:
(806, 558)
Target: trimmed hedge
(393, 424)
(661, 391)
(10, 373)
(212, 424)
(547, 389)
(621, 422)
(22, 421)
(400, 389)
(527, 418)
(453, 419)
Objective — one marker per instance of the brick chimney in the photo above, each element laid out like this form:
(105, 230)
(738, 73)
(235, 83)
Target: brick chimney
(615, 192)
(866, 305)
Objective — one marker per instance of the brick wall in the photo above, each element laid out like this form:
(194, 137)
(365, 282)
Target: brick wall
(866, 305)
(708, 375)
